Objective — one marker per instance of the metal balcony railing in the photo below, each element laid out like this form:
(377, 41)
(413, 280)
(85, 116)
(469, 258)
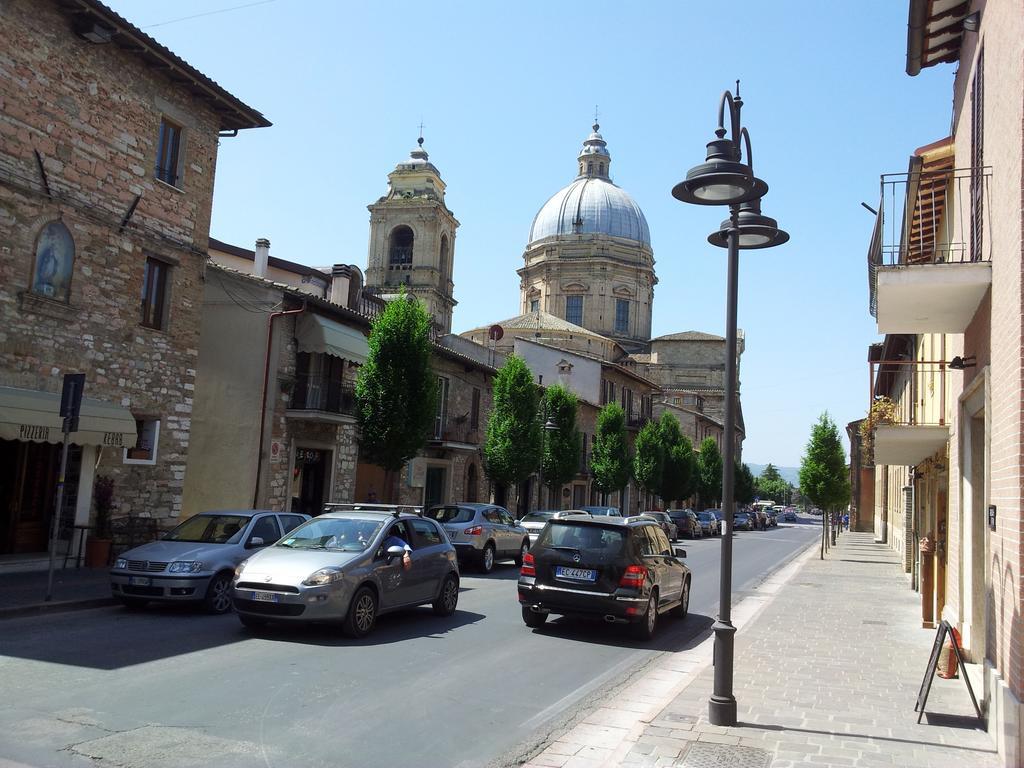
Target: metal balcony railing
(456, 432)
(318, 393)
(931, 215)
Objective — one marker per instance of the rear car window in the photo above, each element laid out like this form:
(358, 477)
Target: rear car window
(538, 517)
(586, 538)
(451, 514)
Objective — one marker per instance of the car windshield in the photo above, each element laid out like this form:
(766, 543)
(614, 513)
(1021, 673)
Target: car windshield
(452, 514)
(537, 517)
(704, 516)
(210, 529)
(341, 534)
(588, 539)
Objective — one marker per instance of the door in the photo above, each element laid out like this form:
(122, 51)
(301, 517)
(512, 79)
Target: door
(398, 585)
(28, 493)
(309, 480)
(513, 538)
(668, 575)
(433, 491)
(429, 556)
(940, 552)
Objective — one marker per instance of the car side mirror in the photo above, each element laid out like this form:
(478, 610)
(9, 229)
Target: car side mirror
(394, 551)
(254, 542)
(679, 552)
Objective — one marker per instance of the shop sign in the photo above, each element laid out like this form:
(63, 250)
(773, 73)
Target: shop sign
(33, 432)
(308, 456)
(115, 439)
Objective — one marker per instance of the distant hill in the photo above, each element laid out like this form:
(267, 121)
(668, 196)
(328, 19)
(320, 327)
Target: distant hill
(790, 474)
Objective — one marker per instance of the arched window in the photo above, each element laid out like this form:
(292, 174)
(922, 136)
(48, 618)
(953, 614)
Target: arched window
(54, 262)
(400, 246)
(471, 484)
(443, 257)
(590, 168)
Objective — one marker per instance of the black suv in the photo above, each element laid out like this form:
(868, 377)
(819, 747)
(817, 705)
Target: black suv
(623, 570)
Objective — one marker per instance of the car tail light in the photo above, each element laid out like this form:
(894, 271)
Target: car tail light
(529, 567)
(475, 530)
(634, 577)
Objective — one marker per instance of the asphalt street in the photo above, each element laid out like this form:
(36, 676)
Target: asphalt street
(173, 687)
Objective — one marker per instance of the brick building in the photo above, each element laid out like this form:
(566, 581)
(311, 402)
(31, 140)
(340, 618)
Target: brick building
(108, 147)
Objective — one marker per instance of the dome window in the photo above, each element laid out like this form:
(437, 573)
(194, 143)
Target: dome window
(590, 168)
(574, 309)
(601, 169)
(400, 246)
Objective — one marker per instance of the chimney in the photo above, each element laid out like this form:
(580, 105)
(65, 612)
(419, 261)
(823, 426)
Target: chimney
(262, 257)
(341, 276)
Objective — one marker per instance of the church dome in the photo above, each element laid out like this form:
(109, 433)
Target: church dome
(592, 204)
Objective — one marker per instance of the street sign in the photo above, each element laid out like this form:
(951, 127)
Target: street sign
(71, 400)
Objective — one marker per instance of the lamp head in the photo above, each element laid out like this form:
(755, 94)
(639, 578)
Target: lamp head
(756, 230)
(959, 363)
(721, 179)
(550, 426)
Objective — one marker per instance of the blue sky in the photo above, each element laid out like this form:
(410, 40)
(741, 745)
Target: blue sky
(507, 93)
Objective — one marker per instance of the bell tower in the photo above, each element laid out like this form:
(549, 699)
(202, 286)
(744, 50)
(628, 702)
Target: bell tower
(412, 239)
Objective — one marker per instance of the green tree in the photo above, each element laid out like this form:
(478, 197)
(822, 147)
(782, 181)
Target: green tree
(562, 447)
(709, 472)
(649, 458)
(512, 443)
(396, 390)
(679, 469)
(609, 460)
(823, 473)
(743, 484)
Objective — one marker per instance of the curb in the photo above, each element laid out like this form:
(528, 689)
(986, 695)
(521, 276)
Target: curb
(607, 735)
(62, 606)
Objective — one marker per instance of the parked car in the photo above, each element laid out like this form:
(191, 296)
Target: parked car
(196, 560)
(668, 525)
(482, 533)
(340, 567)
(686, 522)
(625, 571)
(708, 523)
(534, 522)
(602, 511)
(743, 520)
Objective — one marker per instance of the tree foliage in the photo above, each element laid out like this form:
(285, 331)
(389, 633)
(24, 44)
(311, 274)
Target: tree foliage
(512, 444)
(609, 461)
(823, 473)
(743, 484)
(396, 389)
(679, 468)
(562, 447)
(709, 471)
(649, 458)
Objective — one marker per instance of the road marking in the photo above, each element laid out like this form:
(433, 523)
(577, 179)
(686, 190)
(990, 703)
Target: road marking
(568, 700)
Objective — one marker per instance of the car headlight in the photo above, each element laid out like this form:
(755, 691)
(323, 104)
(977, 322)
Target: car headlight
(185, 566)
(323, 576)
(239, 568)
(120, 563)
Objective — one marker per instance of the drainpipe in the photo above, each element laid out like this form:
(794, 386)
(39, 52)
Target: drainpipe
(263, 399)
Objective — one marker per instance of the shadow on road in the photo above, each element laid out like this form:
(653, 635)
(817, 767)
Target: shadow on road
(672, 634)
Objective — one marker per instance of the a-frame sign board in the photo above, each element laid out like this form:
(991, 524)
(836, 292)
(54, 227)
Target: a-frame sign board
(945, 629)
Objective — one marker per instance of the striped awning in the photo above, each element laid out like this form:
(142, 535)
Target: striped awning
(30, 415)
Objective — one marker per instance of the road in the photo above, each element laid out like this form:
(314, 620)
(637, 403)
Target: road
(169, 687)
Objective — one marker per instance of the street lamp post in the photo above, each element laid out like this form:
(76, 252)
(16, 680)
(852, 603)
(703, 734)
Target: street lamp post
(724, 179)
(547, 425)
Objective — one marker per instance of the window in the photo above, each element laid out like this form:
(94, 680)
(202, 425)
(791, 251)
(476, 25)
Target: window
(148, 437)
(535, 305)
(443, 257)
(574, 309)
(290, 522)
(590, 169)
(607, 392)
(266, 529)
(978, 158)
(54, 260)
(474, 411)
(441, 414)
(471, 483)
(168, 152)
(400, 247)
(601, 167)
(154, 294)
(320, 386)
(424, 534)
(622, 315)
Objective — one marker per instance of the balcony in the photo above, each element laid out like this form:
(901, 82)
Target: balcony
(317, 398)
(455, 434)
(908, 410)
(929, 264)
(636, 420)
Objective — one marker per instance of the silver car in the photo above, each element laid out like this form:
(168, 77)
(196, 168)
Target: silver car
(534, 522)
(349, 567)
(483, 533)
(197, 559)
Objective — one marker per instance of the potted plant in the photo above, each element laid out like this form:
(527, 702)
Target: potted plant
(882, 411)
(97, 547)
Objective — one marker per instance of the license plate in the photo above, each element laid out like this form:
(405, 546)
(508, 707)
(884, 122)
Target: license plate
(265, 597)
(575, 574)
(139, 581)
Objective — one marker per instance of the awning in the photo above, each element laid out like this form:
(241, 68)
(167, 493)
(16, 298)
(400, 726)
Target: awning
(319, 334)
(26, 414)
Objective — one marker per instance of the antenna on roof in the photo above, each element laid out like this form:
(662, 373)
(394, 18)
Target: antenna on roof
(420, 139)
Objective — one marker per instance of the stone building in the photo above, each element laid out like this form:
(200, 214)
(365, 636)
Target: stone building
(108, 148)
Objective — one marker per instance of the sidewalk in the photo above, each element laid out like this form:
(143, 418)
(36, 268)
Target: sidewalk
(23, 594)
(828, 662)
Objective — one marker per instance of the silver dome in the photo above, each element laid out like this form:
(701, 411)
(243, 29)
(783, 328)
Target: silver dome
(591, 206)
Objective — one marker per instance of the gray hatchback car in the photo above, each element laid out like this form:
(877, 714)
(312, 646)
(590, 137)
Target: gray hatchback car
(349, 567)
(196, 560)
(483, 533)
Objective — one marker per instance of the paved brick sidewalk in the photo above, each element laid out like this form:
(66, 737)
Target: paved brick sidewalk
(829, 659)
